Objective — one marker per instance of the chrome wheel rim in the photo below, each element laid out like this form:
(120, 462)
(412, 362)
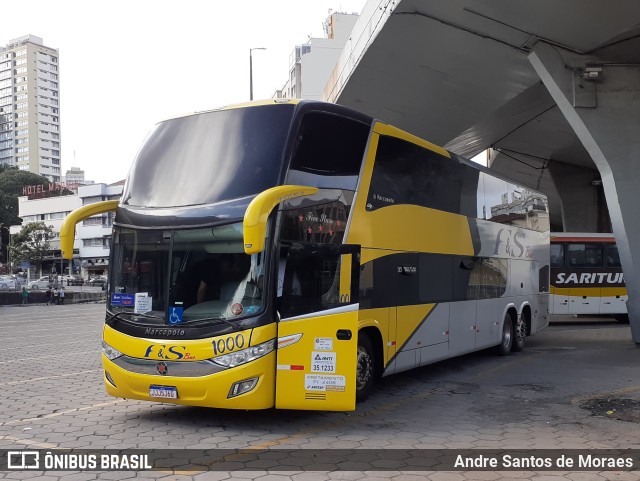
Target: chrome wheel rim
(521, 332)
(506, 334)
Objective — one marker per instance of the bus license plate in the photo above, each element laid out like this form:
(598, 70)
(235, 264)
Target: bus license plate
(164, 392)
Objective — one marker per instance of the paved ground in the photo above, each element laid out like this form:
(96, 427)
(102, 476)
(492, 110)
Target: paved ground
(577, 385)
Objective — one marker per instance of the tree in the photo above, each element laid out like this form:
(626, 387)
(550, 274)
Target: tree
(31, 244)
(12, 180)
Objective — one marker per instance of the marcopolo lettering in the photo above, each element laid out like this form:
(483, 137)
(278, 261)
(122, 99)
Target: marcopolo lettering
(164, 332)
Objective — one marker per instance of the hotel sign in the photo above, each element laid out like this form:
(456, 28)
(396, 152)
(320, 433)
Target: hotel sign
(47, 190)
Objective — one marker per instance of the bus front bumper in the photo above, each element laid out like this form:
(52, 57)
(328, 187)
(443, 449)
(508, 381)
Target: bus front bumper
(213, 390)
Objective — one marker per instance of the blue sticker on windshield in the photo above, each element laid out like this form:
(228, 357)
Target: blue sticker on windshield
(123, 299)
(175, 315)
(252, 309)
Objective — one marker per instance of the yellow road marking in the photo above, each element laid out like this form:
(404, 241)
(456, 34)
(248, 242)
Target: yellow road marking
(11, 383)
(62, 413)
(29, 442)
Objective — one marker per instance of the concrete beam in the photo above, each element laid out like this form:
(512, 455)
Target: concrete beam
(605, 115)
(581, 199)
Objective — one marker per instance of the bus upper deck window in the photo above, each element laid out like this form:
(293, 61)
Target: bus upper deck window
(557, 255)
(585, 255)
(613, 257)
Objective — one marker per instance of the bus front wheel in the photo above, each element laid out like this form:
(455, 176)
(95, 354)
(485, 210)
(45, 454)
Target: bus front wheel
(365, 374)
(506, 342)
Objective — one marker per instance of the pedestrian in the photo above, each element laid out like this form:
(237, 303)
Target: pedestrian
(25, 296)
(56, 296)
(48, 294)
(61, 295)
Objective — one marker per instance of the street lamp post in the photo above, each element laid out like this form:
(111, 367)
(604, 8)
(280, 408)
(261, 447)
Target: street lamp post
(251, 70)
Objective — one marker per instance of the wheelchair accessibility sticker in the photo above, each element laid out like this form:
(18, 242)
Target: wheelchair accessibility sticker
(175, 315)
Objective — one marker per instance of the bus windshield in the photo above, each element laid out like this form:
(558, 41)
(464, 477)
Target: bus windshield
(209, 157)
(184, 276)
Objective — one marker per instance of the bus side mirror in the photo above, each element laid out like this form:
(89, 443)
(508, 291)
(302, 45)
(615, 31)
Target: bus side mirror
(257, 214)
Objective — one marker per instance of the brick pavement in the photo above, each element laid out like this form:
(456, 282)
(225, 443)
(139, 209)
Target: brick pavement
(52, 396)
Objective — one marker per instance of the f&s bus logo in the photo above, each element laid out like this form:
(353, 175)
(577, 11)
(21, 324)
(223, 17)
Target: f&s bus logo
(510, 243)
(163, 351)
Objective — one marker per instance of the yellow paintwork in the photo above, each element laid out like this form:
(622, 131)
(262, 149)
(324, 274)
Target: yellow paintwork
(379, 319)
(386, 129)
(255, 218)
(404, 227)
(409, 318)
(210, 391)
(407, 228)
(589, 291)
(197, 349)
(68, 228)
(345, 277)
(253, 103)
(291, 390)
(259, 103)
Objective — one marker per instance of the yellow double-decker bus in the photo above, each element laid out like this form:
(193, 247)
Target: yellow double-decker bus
(289, 253)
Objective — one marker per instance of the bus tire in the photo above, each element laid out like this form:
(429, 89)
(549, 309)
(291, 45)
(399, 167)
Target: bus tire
(506, 342)
(519, 335)
(365, 370)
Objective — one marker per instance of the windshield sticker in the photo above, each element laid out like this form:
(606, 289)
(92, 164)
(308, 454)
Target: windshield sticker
(122, 300)
(175, 315)
(317, 382)
(143, 303)
(237, 309)
(252, 309)
(323, 362)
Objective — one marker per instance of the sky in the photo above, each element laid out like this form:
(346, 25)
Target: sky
(124, 66)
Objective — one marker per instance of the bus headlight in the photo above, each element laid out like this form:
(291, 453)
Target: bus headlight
(110, 352)
(246, 355)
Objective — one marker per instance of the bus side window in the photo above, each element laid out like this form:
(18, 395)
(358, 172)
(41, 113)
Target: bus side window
(557, 255)
(585, 255)
(613, 257)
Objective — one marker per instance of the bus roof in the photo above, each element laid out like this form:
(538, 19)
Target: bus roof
(582, 237)
(253, 103)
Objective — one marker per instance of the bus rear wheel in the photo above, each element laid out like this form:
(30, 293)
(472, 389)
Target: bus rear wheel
(504, 348)
(365, 373)
(520, 334)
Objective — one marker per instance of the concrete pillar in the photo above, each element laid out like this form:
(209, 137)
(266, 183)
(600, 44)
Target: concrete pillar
(605, 115)
(581, 201)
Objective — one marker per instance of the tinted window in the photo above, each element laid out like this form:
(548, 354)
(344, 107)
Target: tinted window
(210, 157)
(328, 151)
(613, 257)
(584, 255)
(488, 278)
(557, 255)
(311, 279)
(405, 173)
(511, 204)
(321, 223)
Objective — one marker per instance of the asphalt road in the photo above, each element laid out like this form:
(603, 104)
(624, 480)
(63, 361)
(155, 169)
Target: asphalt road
(576, 386)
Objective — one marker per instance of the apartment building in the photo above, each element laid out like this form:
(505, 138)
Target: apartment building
(29, 107)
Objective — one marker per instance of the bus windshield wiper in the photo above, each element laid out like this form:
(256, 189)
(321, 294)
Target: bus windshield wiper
(221, 319)
(119, 315)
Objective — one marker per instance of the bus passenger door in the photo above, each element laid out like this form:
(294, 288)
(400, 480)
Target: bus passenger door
(318, 330)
